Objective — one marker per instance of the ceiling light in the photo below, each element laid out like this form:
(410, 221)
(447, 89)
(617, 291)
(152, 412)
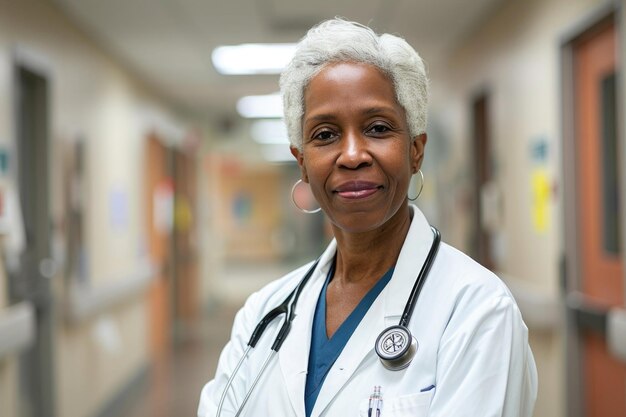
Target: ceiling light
(269, 106)
(253, 58)
(269, 132)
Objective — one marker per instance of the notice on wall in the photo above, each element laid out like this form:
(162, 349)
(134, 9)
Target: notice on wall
(11, 220)
(163, 206)
(541, 199)
(118, 209)
(540, 184)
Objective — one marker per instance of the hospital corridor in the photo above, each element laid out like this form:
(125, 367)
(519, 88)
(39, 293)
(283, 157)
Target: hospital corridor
(149, 188)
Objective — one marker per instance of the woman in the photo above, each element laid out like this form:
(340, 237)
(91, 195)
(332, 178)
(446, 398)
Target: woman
(355, 108)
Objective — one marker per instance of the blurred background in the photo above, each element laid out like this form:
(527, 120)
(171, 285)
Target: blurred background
(145, 185)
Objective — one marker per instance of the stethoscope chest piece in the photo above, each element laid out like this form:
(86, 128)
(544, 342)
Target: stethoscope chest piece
(396, 347)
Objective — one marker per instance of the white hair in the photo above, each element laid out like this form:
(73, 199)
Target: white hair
(339, 40)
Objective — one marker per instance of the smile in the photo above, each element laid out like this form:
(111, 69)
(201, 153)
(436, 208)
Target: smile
(357, 189)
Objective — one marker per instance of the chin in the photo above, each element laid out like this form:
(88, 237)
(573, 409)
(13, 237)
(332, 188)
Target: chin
(356, 222)
(362, 221)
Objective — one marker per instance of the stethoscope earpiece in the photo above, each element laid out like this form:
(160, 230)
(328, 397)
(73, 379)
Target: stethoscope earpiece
(396, 347)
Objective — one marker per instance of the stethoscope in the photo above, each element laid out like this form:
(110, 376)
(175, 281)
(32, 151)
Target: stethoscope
(395, 346)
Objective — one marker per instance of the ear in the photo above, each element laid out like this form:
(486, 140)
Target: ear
(299, 155)
(417, 152)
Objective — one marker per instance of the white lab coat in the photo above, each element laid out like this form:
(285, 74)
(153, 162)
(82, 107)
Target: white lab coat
(473, 346)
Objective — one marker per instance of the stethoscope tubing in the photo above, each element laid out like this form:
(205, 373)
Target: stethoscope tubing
(231, 379)
(259, 374)
(419, 283)
(288, 307)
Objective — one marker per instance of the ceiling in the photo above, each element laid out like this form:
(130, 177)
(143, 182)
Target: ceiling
(168, 43)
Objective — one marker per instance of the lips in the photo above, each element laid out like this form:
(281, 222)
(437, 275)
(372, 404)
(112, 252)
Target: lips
(357, 189)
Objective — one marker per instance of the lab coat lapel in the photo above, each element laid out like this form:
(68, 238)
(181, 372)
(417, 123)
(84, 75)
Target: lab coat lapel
(360, 345)
(410, 261)
(294, 354)
(385, 311)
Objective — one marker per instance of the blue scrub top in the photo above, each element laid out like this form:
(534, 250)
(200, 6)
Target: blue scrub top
(325, 351)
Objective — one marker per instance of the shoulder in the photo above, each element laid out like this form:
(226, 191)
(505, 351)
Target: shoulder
(467, 294)
(464, 277)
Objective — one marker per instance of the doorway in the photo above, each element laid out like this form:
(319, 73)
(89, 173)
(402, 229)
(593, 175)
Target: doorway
(159, 217)
(483, 176)
(185, 258)
(594, 268)
(30, 282)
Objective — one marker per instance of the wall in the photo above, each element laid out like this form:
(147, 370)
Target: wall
(514, 55)
(95, 100)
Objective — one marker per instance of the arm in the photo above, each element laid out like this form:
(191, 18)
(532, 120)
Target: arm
(485, 366)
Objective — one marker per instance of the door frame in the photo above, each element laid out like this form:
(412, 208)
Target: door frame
(25, 59)
(483, 171)
(570, 270)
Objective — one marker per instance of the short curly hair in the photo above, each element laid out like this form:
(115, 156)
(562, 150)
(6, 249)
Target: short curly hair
(339, 40)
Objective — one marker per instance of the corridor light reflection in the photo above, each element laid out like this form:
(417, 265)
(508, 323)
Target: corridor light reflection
(252, 58)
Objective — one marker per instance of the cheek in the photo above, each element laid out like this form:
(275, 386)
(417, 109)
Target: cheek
(400, 160)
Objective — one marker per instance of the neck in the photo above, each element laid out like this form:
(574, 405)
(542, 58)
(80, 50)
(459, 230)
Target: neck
(365, 257)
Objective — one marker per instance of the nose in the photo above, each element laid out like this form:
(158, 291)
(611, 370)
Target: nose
(354, 151)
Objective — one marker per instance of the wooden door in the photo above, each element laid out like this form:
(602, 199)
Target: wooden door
(599, 216)
(159, 212)
(186, 269)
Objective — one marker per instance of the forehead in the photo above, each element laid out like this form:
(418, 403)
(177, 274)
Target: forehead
(349, 82)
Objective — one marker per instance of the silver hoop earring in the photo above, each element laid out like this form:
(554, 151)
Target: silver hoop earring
(421, 187)
(293, 199)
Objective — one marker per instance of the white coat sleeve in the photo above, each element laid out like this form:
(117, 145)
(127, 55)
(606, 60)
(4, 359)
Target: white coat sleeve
(485, 366)
(245, 321)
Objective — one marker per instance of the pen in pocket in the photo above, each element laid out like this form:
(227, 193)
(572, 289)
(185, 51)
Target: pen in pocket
(375, 403)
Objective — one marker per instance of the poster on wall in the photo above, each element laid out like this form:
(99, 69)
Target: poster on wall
(11, 220)
(163, 206)
(540, 185)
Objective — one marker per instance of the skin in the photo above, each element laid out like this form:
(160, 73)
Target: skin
(358, 158)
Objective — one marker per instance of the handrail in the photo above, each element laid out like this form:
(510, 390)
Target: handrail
(17, 328)
(84, 301)
(609, 322)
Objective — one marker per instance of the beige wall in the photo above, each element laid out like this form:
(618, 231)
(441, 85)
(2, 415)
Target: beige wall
(93, 98)
(514, 55)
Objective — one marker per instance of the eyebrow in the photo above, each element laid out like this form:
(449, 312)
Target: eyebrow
(374, 110)
(320, 117)
(369, 111)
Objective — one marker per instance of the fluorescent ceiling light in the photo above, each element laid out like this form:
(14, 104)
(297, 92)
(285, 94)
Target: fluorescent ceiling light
(269, 132)
(253, 58)
(269, 106)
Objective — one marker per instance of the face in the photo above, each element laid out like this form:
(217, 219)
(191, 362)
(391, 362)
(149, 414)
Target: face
(357, 154)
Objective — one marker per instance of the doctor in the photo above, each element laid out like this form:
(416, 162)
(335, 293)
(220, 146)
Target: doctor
(355, 107)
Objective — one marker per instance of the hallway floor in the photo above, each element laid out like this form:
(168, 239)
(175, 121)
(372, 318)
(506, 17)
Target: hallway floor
(172, 388)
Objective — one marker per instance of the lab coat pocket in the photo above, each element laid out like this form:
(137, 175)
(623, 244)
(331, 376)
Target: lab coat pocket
(413, 405)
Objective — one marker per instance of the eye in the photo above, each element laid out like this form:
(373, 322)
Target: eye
(378, 129)
(324, 135)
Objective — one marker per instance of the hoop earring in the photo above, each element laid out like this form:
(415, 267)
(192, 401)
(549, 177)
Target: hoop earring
(293, 199)
(421, 187)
